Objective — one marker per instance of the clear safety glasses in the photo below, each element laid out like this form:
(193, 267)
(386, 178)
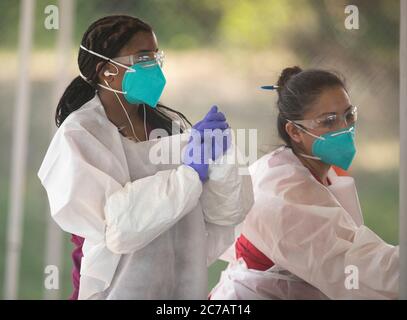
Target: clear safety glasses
(331, 120)
(142, 57)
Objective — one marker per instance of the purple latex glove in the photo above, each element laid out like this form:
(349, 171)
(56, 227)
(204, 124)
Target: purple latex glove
(195, 157)
(210, 138)
(214, 131)
(212, 120)
(221, 141)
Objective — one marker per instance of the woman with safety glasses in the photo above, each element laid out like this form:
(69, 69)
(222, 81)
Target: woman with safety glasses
(142, 229)
(304, 237)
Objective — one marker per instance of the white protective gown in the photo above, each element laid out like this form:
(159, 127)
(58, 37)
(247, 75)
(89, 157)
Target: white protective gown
(312, 233)
(150, 230)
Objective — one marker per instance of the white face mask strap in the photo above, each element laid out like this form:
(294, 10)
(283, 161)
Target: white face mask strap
(309, 157)
(84, 78)
(339, 133)
(108, 59)
(111, 89)
(306, 131)
(343, 132)
(313, 135)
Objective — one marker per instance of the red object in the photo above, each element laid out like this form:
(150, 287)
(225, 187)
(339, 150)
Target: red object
(76, 258)
(340, 171)
(253, 257)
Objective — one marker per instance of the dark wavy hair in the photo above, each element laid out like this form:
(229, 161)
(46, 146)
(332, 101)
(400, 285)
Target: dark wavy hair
(297, 90)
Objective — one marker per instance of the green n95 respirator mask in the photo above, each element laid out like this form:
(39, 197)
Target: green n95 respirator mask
(143, 82)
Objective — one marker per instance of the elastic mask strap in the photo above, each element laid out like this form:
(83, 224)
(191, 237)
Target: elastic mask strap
(306, 131)
(108, 59)
(83, 77)
(309, 157)
(111, 89)
(101, 85)
(149, 64)
(343, 132)
(312, 135)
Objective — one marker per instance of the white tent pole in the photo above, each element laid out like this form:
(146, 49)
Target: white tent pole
(54, 240)
(403, 149)
(19, 151)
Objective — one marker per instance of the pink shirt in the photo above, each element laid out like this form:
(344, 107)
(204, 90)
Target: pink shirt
(76, 259)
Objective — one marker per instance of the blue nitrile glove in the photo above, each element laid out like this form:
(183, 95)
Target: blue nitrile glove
(214, 130)
(212, 120)
(196, 156)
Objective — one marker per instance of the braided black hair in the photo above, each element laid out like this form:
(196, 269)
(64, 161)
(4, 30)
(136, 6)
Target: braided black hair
(108, 36)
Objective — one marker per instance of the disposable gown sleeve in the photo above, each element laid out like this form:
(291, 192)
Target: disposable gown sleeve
(87, 201)
(304, 230)
(145, 208)
(227, 195)
(77, 183)
(226, 199)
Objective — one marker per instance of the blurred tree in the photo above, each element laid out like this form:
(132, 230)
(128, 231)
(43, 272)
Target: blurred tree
(260, 24)
(376, 41)
(9, 14)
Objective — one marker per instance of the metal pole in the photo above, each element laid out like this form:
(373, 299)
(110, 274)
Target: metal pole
(54, 244)
(403, 149)
(19, 152)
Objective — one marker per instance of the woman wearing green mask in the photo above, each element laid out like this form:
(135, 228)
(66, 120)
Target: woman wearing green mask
(142, 229)
(304, 238)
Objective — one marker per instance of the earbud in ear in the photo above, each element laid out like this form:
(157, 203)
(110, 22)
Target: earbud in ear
(108, 73)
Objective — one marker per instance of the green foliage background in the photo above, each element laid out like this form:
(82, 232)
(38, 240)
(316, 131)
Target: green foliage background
(246, 33)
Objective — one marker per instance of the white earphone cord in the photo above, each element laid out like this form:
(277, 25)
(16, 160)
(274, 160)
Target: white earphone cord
(145, 122)
(127, 115)
(108, 87)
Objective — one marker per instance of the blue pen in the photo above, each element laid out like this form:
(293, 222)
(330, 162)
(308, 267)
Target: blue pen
(273, 87)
